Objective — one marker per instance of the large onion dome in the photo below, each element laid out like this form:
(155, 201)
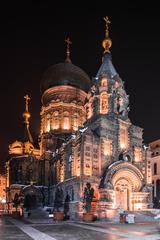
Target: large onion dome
(65, 73)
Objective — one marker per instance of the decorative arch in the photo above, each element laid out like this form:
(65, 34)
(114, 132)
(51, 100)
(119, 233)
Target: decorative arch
(134, 182)
(125, 170)
(32, 197)
(123, 183)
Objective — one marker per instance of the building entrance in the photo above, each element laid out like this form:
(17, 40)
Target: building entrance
(32, 197)
(122, 194)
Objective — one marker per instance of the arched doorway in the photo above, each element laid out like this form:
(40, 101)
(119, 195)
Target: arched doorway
(32, 197)
(122, 193)
(126, 182)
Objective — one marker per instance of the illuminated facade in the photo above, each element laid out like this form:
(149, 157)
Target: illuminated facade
(86, 136)
(106, 149)
(2, 191)
(155, 165)
(24, 168)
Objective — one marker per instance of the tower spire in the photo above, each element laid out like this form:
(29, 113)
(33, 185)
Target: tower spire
(26, 116)
(68, 43)
(107, 42)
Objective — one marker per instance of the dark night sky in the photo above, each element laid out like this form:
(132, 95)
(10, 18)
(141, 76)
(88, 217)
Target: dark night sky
(32, 39)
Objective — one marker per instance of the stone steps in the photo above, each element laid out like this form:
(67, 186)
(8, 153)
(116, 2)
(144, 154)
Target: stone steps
(144, 217)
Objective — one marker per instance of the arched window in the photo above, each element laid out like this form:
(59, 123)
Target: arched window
(75, 121)
(104, 82)
(155, 169)
(104, 103)
(66, 124)
(123, 137)
(55, 121)
(42, 125)
(48, 122)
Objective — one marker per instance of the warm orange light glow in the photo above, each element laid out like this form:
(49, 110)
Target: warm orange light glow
(137, 154)
(87, 161)
(66, 123)
(89, 109)
(104, 82)
(123, 146)
(48, 127)
(77, 168)
(104, 103)
(2, 188)
(48, 123)
(138, 206)
(55, 120)
(16, 148)
(107, 147)
(75, 122)
(123, 137)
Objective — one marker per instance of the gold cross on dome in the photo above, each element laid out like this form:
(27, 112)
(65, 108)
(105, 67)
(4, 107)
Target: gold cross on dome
(27, 98)
(68, 41)
(107, 21)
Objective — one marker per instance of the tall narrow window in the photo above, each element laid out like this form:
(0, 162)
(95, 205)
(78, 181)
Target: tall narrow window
(48, 123)
(55, 121)
(137, 154)
(155, 168)
(123, 137)
(42, 125)
(104, 103)
(107, 147)
(104, 82)
(66, 124)
(75, 121)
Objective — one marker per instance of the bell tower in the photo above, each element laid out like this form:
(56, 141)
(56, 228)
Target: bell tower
(107, 95)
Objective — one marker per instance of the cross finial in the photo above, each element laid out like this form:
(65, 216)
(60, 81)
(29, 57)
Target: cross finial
(106, 19)
(107, 41)
(27, 98)
(68, 41)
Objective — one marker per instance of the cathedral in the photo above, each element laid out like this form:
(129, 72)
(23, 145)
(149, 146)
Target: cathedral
(85, 137)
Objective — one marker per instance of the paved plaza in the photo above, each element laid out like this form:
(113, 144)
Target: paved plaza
(48, 229)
